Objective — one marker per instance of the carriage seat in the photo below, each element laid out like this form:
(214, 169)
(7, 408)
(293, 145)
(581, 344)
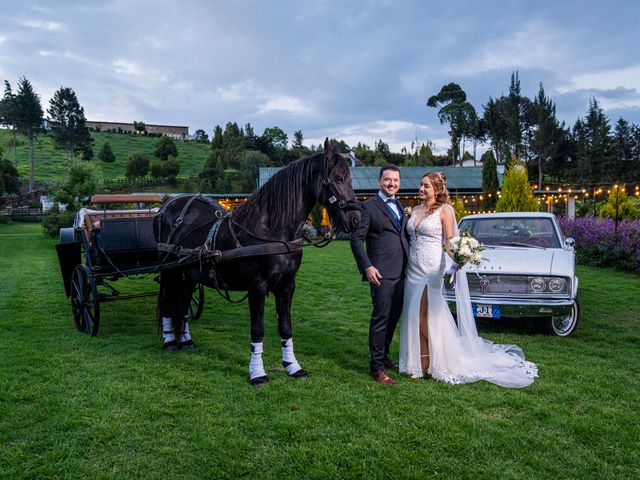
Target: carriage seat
(91, 220)
(134, 234)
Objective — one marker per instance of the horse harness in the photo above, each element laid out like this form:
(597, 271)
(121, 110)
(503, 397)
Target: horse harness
(208, 251)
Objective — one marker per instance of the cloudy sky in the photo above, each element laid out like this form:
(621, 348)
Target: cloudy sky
(355, 70)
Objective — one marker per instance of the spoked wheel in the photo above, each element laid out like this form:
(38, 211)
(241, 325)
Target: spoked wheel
(563, 326)
(197, 303)
(85, 303)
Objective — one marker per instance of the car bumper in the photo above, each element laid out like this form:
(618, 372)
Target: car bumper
(519, 308)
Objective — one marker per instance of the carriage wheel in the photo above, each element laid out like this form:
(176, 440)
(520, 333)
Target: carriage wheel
(197, 303)
(85, 303)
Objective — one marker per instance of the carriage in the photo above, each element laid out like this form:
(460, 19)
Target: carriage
(191, 241)
(117, 243)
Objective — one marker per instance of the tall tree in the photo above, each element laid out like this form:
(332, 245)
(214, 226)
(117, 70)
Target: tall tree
(201, 136)
(490, 182)
(470, 127)
(599, 142)
(8, 116)
(451, 100)
(546, 134)
(68, 124)
(297, 139)
(623, 146)
(28, 119)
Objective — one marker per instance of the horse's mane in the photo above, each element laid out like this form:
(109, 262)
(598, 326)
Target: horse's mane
(280, 195)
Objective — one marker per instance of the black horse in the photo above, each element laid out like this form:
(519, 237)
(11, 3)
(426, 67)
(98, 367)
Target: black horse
(266, 232)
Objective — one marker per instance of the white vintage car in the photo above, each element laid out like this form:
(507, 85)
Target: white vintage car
(529, 272)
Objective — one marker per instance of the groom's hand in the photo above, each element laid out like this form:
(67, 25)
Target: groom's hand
(373, 275)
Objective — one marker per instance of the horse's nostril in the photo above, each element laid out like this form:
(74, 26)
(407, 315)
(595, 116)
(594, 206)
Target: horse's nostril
(355, 222)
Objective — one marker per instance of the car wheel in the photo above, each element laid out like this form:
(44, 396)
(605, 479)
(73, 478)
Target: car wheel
(565, 325)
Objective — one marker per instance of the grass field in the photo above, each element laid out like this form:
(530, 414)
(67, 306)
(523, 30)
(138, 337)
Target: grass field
(51, 164)
(116, 406)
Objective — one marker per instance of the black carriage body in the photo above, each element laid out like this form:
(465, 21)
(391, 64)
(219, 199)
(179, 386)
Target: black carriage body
(116, 244)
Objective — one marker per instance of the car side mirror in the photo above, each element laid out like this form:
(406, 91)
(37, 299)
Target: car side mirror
(569, 242)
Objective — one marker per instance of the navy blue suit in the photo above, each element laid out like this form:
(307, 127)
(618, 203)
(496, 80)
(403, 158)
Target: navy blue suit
(387, 249)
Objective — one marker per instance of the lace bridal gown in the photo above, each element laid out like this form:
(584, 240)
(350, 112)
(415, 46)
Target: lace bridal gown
(457, 353)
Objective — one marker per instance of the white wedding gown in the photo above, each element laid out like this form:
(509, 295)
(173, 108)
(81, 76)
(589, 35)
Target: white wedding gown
(457, 353)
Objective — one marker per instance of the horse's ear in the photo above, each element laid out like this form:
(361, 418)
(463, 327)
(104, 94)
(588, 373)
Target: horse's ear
(327, 148)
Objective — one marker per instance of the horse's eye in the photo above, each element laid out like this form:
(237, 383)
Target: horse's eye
(339, 179)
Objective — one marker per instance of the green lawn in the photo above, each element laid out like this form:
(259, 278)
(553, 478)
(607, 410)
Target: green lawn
(116, 406)
(51, 163)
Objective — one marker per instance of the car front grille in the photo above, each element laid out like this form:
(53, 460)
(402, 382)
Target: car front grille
(502, 286)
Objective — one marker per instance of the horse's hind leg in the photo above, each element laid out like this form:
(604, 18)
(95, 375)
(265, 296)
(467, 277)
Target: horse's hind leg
(185, 342)
(257, 375)
(173, 300)
(283, 311)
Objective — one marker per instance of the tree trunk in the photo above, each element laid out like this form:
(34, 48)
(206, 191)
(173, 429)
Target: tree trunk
(15, 155)
(31, 163)
(475, 144)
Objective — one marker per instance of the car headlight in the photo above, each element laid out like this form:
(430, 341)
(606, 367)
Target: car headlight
(537, 284)
(556, 285)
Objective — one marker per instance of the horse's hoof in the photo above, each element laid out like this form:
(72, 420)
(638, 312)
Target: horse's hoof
(186, 345)
(259, 381)
(302, 373)
(171, 346)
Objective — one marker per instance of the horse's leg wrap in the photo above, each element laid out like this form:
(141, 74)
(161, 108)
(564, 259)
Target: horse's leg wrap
(288, 358)
(168, 337)
(186, 341)
(257, 375)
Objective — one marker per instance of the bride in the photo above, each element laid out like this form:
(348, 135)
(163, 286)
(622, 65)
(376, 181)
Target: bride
(430, 340)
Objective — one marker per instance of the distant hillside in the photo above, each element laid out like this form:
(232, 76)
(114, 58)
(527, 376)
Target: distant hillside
(51, 164)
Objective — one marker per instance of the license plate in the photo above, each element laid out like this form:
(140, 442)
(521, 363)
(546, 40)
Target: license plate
(488, 311)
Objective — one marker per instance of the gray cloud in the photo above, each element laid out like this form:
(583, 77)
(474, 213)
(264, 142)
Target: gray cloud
(358, 70)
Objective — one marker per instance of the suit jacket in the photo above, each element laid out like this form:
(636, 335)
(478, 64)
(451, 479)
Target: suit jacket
(387, 247)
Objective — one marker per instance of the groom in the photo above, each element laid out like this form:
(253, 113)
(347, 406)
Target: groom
(382, 264)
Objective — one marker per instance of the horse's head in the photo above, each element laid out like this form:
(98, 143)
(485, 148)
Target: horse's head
(336, 191)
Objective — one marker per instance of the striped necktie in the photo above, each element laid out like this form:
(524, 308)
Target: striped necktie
(394, 211)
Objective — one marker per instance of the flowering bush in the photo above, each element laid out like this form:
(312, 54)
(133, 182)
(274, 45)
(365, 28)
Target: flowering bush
(598, 243)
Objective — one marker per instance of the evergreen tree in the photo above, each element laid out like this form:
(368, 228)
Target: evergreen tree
(28, 119)
(68, 124)
(516, 193)
(216, 141)
(598, 147)
(106, 153)
(8, 116)
(546, 136)
(165, 148)
(623, 147)
(137, 165)
(490, 182)
(9, 178)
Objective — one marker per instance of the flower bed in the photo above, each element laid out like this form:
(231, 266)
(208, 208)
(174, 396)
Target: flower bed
(598, 244)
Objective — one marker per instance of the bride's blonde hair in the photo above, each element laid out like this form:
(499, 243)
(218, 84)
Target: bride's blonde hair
(439, 183)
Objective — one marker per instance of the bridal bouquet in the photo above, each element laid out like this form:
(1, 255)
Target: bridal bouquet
(466, 249)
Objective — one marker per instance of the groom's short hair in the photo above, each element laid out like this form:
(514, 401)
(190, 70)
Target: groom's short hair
(388, 166)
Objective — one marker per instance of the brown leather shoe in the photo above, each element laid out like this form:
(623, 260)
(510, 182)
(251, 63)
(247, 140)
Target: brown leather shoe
(381, 377)
(389, 365)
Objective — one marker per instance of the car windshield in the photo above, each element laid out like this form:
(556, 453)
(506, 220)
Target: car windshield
(517, 232)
